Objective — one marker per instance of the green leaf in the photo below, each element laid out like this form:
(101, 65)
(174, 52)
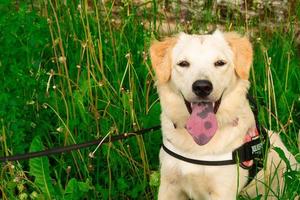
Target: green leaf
(122, 184)
(80, 105)
(76, 190)
(39, 168)
(155, 179)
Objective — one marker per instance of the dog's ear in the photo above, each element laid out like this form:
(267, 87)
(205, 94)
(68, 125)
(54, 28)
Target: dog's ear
(161, 58)
(243, 53)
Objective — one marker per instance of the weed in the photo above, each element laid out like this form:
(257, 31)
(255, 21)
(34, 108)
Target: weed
(73, 71)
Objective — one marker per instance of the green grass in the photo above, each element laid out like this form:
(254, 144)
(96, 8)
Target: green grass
(73, 73)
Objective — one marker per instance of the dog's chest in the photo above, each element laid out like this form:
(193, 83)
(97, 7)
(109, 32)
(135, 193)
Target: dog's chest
(212, 174)
(206, 182)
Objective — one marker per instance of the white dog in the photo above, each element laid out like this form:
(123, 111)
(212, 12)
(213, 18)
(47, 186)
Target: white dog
(206, 116)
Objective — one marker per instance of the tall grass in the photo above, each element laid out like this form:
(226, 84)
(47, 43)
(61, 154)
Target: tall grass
(73, 71)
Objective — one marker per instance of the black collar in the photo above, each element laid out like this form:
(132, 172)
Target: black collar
(248, 151)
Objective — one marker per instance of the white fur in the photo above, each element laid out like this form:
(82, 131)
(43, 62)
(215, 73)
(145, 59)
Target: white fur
(182, 180)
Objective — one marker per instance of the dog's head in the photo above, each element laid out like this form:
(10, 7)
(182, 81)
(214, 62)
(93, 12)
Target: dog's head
(202, 67)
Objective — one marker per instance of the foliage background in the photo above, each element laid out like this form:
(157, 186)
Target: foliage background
(73, 71)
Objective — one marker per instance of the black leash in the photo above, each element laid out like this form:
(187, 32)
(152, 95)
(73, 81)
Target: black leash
(57, 150)
(248, 151)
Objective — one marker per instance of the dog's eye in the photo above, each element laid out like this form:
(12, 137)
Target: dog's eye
(183, 63)
(220, 63)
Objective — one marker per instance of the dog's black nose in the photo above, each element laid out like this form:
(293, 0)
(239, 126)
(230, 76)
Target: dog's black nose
(202, 88)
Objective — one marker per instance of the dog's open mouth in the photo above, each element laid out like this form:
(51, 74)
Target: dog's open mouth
(202, 123)
(215, 105)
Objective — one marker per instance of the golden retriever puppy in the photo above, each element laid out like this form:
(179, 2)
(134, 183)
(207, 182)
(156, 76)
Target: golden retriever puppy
(202, 85)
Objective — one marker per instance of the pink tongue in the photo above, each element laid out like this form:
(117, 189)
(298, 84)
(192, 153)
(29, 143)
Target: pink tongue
(202, 124)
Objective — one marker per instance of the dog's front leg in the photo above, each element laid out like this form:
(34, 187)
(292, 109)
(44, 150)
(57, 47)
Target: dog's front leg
(170, 179)
(169, 189)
